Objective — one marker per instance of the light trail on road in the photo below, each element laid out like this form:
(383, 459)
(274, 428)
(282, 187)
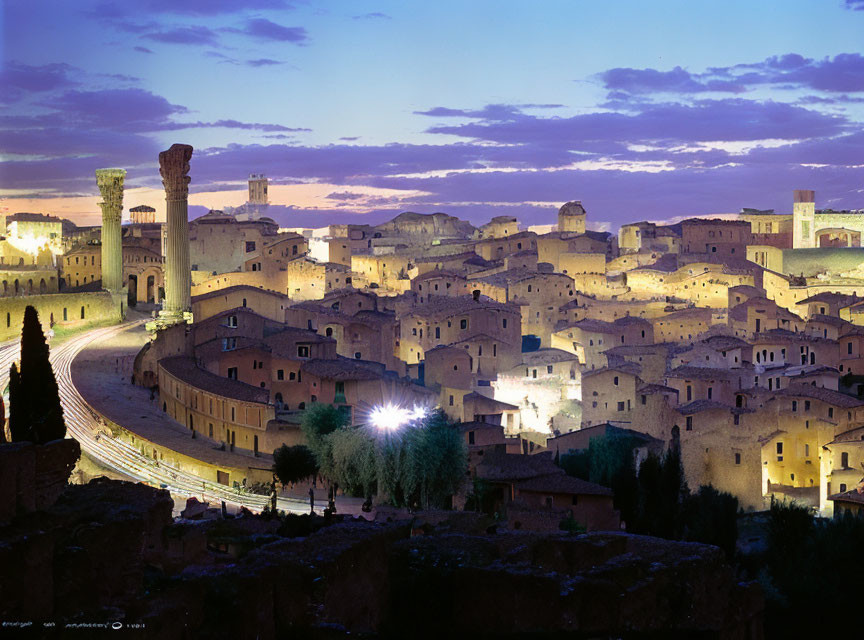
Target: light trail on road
(86, 425)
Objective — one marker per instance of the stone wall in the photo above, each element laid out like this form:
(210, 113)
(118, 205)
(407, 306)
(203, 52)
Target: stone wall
(64, 309)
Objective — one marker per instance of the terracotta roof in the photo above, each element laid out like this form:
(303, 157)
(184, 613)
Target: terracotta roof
(834, 321)
(627, 368)
(185, 369)
(236, 287)
(501, 466)
(853, 495)
(698, 406)
(832, 297)
(488, 405)
(452, 305)
(438, 273)
(656, 388)
(562, 483)
(547, 355)
(820, 393)
(699, 373)
(343, 369)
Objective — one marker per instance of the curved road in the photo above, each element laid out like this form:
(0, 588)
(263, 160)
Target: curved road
(86, 425)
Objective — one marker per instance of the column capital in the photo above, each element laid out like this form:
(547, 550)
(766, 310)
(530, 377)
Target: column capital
(110, 182)
(174, 169)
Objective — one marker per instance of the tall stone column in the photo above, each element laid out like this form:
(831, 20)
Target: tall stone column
(110, 183)
(174, 167)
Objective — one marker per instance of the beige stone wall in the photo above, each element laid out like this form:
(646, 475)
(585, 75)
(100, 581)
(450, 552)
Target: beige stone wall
(201, 411)
(578, 263)
(605, 401)
(23, 281)
(65, 309)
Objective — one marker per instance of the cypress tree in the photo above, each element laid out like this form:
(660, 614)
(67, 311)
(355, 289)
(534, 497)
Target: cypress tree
(19, 411)
(38, 386)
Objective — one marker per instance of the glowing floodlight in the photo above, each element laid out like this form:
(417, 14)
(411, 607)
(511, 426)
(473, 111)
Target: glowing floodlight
(389, 417)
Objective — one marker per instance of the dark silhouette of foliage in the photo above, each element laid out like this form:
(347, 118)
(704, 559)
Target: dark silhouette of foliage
(36, 401)
(20, 427)
(294, 464)
(711, 516)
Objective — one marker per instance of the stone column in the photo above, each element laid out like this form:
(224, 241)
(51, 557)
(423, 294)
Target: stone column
(174, 167)
(110, 183)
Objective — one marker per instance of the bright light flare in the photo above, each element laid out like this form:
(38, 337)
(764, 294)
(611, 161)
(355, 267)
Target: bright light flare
(389, 417)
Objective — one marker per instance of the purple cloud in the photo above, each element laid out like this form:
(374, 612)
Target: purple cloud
(263, 62)
(707, 120)
(345, 195)
(350, 138)
(194, 35)
(142, 50)
(842, 73)
(18, 79)
(497, 112)
(375, 15)
(263, 29)
(855, 5)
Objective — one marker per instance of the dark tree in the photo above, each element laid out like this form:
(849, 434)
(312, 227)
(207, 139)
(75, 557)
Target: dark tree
(35, 410)
(294, 464)
(711, 516)
(19, 420)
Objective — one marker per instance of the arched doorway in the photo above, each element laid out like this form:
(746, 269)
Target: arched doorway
(151, 289)
(133, 290)
(42, 286)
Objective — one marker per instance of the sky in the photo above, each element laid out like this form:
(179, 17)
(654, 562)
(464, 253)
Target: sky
(357, 110)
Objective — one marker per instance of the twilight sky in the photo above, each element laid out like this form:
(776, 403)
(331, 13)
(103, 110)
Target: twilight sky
(359, 110)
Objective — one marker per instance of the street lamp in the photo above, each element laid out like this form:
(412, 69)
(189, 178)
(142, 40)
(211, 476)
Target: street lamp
(390, 417)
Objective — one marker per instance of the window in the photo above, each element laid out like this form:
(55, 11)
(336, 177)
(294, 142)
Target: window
(229, 343)
(620, 406)
(280, 374)
(232, 321)
(451, 401)
(844, 460)
(463, 323)
(232, 374)
(615, 381)
(849, 348)
(340, 392)
(437, 333)
(302, 351)
(806, 405)
(842, 487)
(779, 448)
(794, 405)
(737, 458)
(689, 423)
(830, 412)
(548, 368)
(534, 373)
(710, 392)
(643, 399)
(504, 323)
(82, 312)
(250, 247)
(358, 355)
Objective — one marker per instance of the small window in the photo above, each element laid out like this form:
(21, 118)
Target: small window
(232, 374)
(302, 351)
(615, 381)
(451, 401)
(280, 374)
(737, 458)
(470, 437)
(620, 406)
(232, 321)
(463, 323)
(689, 423)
